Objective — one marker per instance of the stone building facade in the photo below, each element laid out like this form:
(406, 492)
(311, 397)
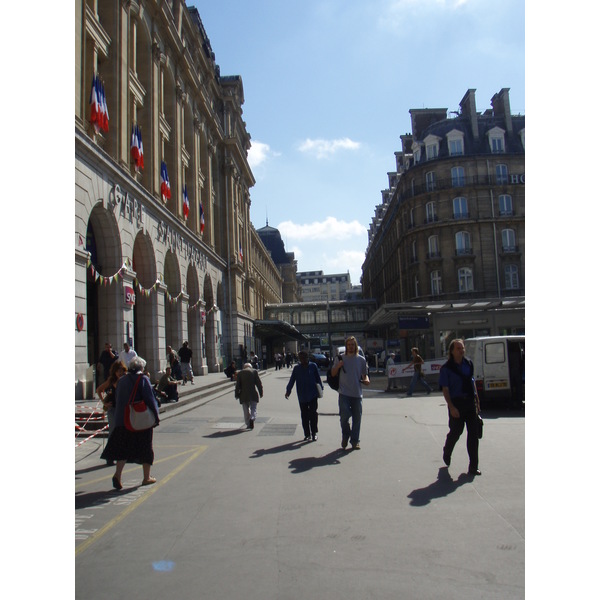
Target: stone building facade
(152, 268)
(317, 286)
(451, 228)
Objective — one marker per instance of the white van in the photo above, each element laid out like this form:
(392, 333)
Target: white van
(499, 363)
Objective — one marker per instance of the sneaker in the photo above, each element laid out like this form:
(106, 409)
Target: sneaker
(315, 437)
(306, 438)
(251, 424)
(344, 443)
(356, 446)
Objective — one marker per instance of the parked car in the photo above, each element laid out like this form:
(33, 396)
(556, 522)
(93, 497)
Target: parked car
(320, 359)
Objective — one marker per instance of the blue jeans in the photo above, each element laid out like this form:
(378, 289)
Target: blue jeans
(415, 378)
(350, 407)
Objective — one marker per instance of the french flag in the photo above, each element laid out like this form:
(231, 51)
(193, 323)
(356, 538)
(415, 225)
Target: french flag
(201, 218)
(165, 186)
(241, 253)
(95, 104)
(103, 108)
(186, 203)
(137, 148)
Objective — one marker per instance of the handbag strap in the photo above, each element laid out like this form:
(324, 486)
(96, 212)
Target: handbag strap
(133, 394)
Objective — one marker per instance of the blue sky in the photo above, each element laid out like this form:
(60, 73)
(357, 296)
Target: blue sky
(328, 85)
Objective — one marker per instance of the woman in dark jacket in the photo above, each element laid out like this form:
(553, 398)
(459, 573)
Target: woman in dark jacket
(132, 446)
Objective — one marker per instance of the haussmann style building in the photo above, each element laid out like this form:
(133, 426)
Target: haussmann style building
(446, 252)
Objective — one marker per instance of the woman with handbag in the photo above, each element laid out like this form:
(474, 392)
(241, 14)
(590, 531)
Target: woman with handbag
(129, 443)
(309, 388)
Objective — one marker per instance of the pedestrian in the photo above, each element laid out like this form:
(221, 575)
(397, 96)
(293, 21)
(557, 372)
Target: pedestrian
(416, 362)
(185, 356)
(107, 357)
(308, 386)
(288, 359)
(231, 371)
(248, 387)
(389, 367)
(352, 370)
(167, 387)
(253, 360)
(458, 387)
(173, 362)
(106, 393)
(128, 354)
(132, 446)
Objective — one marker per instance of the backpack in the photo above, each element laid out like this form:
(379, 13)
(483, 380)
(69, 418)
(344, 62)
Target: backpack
(334, 382)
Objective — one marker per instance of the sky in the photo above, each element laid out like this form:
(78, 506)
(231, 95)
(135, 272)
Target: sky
(328, 85)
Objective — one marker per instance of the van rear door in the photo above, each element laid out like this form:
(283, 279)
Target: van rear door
(495, 368)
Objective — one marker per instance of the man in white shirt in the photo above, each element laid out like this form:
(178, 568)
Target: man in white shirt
(127, 355)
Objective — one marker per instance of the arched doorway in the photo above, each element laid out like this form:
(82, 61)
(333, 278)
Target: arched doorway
(194, 321)
(211, 338)
(146, 306)
(104, 300)
(173, 332)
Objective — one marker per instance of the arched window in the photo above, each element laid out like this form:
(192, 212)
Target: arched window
(430, 212)
(505, 204)
(433, 246)
(458, 176)
(463, 242)
(430, 181)
(460, 208)
(509, 243)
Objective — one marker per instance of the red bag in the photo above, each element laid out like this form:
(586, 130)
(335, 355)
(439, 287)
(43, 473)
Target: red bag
(138, 416)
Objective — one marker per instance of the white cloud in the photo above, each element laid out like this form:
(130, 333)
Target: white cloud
(259, 153)
(329, 229)
(399, 15)
(325, 148)
(345, 260)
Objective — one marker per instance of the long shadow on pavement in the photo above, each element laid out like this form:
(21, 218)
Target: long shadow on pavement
(301, 465)
(443, 486)
(278, 449)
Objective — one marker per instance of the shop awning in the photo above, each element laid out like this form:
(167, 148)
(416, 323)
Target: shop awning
(389, 314)
(277, 329)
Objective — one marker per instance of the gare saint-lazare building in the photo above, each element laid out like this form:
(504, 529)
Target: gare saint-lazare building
(164, 248)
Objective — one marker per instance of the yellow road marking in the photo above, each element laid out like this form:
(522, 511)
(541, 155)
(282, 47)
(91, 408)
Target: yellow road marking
(133, 468)
(96, 536)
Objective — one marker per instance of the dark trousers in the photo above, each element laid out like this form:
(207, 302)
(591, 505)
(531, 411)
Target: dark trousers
(468, 416)
(308, 412)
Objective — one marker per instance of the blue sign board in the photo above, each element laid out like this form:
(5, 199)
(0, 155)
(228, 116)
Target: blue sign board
(413, 322)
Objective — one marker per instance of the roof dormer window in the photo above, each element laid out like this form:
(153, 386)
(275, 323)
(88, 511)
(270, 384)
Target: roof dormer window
(432, 147)
(456, 143)
(496, 140)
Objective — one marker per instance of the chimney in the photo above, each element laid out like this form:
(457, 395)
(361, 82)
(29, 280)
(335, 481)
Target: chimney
(501, 107)
(469, 110)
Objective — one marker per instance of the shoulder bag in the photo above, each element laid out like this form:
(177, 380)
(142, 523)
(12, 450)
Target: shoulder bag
(138, 416)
